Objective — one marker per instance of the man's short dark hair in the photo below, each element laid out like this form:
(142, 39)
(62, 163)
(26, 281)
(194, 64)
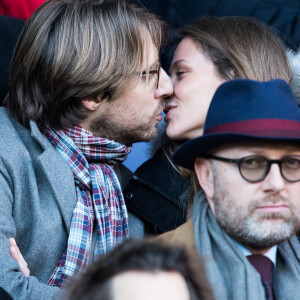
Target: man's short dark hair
(145, 256)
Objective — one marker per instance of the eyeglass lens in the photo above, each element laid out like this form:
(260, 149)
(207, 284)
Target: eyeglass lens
(149, 74)
(256, 168)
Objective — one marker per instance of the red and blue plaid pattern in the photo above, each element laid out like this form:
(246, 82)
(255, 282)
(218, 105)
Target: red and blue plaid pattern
(99, 198)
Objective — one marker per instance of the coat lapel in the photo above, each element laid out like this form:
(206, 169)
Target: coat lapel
(58, 174)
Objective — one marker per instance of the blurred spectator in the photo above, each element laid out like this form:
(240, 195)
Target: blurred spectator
(143, 270)
(21, 9)
(280, 14)
(12, 14)
(10, 29)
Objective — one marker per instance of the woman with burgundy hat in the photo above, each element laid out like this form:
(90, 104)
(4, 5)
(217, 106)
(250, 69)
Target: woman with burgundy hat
(211, 51)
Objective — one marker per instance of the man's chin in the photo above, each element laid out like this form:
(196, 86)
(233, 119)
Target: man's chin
(148, 136)
(152, 134)
(266, 234)
(262, 244)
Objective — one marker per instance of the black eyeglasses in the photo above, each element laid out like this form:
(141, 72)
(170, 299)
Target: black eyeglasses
(255, 168)
(148, 74)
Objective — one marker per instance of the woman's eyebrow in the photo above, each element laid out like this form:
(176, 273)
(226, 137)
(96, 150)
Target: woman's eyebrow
(175, 64)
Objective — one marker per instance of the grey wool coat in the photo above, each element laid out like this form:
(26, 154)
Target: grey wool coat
(37, 197)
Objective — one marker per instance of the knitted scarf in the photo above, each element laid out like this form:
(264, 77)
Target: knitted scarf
(99, 198)
(231, 275)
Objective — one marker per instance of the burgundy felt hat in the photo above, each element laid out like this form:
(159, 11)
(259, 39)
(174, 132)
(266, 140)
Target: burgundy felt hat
(245, 110)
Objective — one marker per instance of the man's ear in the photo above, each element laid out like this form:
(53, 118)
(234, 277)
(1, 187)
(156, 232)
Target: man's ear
(204, 171)
(91, 104)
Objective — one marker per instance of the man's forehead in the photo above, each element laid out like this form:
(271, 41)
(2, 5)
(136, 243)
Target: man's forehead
(261, 148)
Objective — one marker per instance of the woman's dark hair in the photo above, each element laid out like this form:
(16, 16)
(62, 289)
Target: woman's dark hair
(240, 47)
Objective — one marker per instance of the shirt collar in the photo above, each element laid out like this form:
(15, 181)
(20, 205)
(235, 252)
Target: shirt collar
(271, 254)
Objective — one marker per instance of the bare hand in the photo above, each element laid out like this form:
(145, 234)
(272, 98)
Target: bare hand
(16, 254)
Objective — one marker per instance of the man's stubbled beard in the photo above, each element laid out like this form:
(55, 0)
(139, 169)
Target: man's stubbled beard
(250, 228)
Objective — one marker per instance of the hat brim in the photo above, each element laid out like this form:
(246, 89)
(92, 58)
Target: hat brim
(186, 154)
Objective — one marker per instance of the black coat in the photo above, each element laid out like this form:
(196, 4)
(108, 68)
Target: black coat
(158, 195)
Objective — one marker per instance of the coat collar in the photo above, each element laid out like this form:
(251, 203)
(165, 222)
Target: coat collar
(58, 174)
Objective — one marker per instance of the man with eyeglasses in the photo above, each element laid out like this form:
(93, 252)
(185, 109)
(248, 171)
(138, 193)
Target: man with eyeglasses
(85, 84)
(245, 218)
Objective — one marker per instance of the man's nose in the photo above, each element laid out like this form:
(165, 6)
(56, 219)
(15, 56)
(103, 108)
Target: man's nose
(274, 180)
(165, 87)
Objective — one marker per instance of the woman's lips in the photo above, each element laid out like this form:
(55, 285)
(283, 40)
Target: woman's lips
(167, 110)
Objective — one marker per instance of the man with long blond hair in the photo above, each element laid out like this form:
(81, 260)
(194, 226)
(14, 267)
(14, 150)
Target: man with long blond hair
(85, 84)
